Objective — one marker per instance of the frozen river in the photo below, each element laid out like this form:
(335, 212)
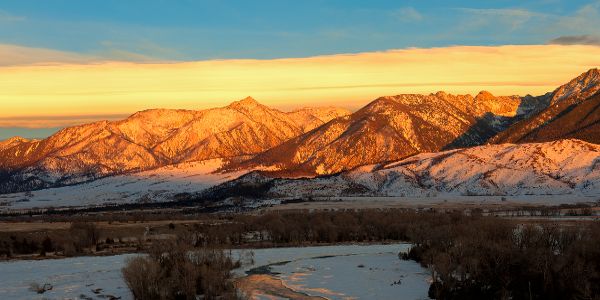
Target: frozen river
(344, 272)
(333, 272)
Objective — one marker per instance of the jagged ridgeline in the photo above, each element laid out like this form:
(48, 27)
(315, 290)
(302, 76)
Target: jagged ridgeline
(247, 136)
(151, 139)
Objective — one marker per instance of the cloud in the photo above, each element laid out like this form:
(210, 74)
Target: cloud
(514, 18)
(347, 80)
(407, 14)
(584, 39)
(13, 55)
(6, 17)
(586, 17)
(16, 55)
(142, 50)
(54, 121)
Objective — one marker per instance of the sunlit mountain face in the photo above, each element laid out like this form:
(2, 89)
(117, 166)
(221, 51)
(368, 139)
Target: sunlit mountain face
(278, 149)
(135, 96)
(407, 144)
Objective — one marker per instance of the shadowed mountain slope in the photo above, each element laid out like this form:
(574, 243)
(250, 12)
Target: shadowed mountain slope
(573, 112)
(391, 128)
(151, 139)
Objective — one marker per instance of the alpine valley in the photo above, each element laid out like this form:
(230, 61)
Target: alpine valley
(409, 146)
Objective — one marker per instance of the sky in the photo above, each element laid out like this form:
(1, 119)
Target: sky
(63, 62)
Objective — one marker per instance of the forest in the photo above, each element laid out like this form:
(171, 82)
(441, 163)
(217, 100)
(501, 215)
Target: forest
(469, 255)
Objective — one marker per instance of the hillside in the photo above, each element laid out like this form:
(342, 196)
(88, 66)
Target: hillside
(573, 112)
(391, 128)
(151, 139)
(566, 167)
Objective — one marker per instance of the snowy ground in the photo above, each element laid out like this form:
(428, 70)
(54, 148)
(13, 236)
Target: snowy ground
(346, 271)
(519, 199)
(71, 278)
(336, 272)
(153, 185)
(438, 201)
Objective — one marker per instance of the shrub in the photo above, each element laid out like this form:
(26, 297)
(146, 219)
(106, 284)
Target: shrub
(175, 270)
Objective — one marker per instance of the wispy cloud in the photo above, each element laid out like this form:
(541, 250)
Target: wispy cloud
(584, 39)
(54, 121)
(143, 50)
(586, 17)
(7, 17)
(13, 55)
(407, 14)
(16, 55)
(116, 88)
(514, 18)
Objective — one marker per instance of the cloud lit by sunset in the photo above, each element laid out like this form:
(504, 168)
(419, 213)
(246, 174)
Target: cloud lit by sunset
(42, 95)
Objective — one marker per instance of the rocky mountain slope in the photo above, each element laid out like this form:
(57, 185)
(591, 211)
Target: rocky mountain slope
(573, 112)
(565, 167)
(151, 139)
(157, 185)
(353, 148)
(391, 128)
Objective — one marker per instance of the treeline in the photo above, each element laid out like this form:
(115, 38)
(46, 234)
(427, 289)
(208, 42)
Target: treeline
(491, 258)
(303, 227)
(470, 256)
(80, 238)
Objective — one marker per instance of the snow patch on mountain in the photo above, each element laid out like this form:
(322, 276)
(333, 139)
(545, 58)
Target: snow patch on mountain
(565, 167)
(157, 185)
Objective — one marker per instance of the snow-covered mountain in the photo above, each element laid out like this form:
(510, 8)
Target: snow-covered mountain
(157, 185)
(573, 112)
(564, 167)
(391, 128)
(151, 139)
(404, 145)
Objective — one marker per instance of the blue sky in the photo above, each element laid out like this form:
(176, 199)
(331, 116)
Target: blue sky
(80, 31)
(196, 30)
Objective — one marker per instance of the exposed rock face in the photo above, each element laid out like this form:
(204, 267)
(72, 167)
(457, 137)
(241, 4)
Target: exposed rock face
(573, 112)
(565, 167)
(391, 128)
(246, 135)
(151, 139)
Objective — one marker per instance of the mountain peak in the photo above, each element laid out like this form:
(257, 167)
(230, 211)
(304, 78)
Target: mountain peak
(16, 139)
(485, 95)
(248, 100)
(591, 72)
(581, 87)
(13, 141)
(246, 103)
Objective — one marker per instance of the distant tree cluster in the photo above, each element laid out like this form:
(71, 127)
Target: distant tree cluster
(80, 238)
(492, 258)
(294, 228)
(175, 270)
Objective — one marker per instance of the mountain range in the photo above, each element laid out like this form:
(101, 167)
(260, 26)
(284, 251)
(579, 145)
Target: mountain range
(392, 137)
(564, 167)
(573, 111)
(151, 139)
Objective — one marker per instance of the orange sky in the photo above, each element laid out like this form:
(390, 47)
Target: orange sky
(54, 95)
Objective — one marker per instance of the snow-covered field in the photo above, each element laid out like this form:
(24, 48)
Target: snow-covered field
(346, 272)
(154, 185)
(71, 278)
(335, 272)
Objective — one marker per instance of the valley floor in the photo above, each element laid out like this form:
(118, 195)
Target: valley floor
(322, 272)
